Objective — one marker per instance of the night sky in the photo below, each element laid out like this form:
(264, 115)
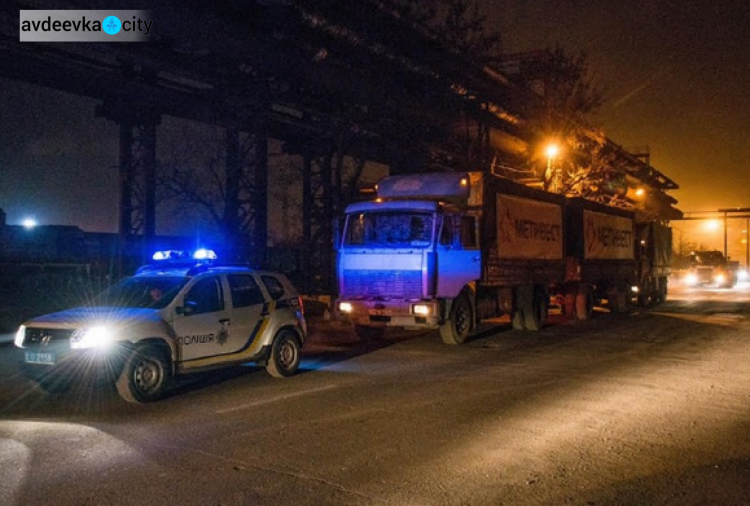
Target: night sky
(676, 78)
(675, 75)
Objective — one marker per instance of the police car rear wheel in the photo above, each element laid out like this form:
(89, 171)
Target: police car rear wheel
(285, 355)
(145, 375)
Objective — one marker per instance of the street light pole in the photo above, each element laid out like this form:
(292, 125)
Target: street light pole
(552, 151)
(725, 234)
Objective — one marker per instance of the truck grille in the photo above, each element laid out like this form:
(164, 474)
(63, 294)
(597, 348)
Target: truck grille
(383, 283)
(44, 337)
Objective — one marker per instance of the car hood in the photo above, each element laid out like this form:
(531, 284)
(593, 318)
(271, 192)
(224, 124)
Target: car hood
(89, 316)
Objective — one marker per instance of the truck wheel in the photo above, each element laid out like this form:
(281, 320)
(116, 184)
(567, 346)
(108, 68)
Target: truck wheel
(584, 302)
(536, 315)
(366, 333)
(518, 320)
(285, 355)
(456, 329)
(646, 293)
(145, 376)
(663, 287)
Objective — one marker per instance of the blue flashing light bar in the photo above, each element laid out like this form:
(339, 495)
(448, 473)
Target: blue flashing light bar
(176, 255)
(204, 254)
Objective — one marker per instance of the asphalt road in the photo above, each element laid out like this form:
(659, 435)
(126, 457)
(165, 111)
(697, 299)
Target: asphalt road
(647, 408)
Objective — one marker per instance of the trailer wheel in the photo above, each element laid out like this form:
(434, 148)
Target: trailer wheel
(366, 333)
(456, 329)
(645, 294)
(619, 299)
(584, 302)
(524, 302)
(536, 315)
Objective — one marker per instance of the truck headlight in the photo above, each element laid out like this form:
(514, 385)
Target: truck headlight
(345, 307)
(20, 335)
(421, 309)
(92, 337)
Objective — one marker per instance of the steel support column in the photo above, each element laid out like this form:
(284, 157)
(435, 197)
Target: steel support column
(137, 177)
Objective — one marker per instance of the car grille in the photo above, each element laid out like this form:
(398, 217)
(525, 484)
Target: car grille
(44, 337)
(383, 283)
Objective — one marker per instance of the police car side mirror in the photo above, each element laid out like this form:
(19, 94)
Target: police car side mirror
(185, 310)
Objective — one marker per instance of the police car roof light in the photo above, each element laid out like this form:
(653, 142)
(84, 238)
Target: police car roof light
(204, 254)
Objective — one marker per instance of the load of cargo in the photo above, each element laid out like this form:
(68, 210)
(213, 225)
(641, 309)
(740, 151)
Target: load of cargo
(449, 250)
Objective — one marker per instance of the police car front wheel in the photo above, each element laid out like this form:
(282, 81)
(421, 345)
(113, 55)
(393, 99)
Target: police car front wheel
(145, 376)
(285, 355)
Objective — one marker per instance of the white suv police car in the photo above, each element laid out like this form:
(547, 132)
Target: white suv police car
(172, 317)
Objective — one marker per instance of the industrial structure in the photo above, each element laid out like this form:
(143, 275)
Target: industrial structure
(329, 79)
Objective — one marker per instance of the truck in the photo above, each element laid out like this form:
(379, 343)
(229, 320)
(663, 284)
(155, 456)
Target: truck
(449, 250)
(711, 268)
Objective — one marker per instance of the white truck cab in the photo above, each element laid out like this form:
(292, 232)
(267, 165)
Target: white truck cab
(180, 314)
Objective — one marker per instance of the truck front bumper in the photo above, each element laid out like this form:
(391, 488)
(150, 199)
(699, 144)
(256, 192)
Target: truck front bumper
(390, 313)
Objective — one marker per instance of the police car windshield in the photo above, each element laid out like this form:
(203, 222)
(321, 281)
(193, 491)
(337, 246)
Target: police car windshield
(142, 291)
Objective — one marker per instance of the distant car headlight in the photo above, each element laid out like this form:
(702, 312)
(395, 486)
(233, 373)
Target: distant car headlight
(742, 275)
(691, 279)
(92, 337)
(719, 279)
(20, 335)
(345, 307)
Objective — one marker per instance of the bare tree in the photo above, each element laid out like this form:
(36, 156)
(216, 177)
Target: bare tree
(213, 171)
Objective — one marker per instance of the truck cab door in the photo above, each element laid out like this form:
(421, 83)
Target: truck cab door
(459, 259)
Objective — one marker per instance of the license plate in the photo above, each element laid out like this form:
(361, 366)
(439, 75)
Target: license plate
(37, 357)
(380, 312)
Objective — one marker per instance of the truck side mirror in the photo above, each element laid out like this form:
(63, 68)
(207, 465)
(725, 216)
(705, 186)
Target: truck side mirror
(337, 226)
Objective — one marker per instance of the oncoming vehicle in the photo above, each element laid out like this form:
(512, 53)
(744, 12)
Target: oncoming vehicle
(711, 268)
(178, 315)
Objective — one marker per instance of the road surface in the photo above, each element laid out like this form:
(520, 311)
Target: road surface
(647, 408)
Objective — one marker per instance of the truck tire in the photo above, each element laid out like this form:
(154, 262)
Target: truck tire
(648, 294)
(663, 288)
(619, 299)
(458, 326)
(366, 333)
(584, 302)
(285, 355)
(524, 303)
(146, 375)
(536, 315)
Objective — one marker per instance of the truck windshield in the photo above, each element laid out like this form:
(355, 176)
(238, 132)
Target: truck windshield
(142, 291)
(389, 230)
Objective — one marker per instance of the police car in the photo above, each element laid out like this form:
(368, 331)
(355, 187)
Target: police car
(177, 315)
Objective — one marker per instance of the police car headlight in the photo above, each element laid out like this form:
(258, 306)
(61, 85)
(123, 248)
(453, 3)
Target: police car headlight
(345, 307)
(20, 335)
(92, 337)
